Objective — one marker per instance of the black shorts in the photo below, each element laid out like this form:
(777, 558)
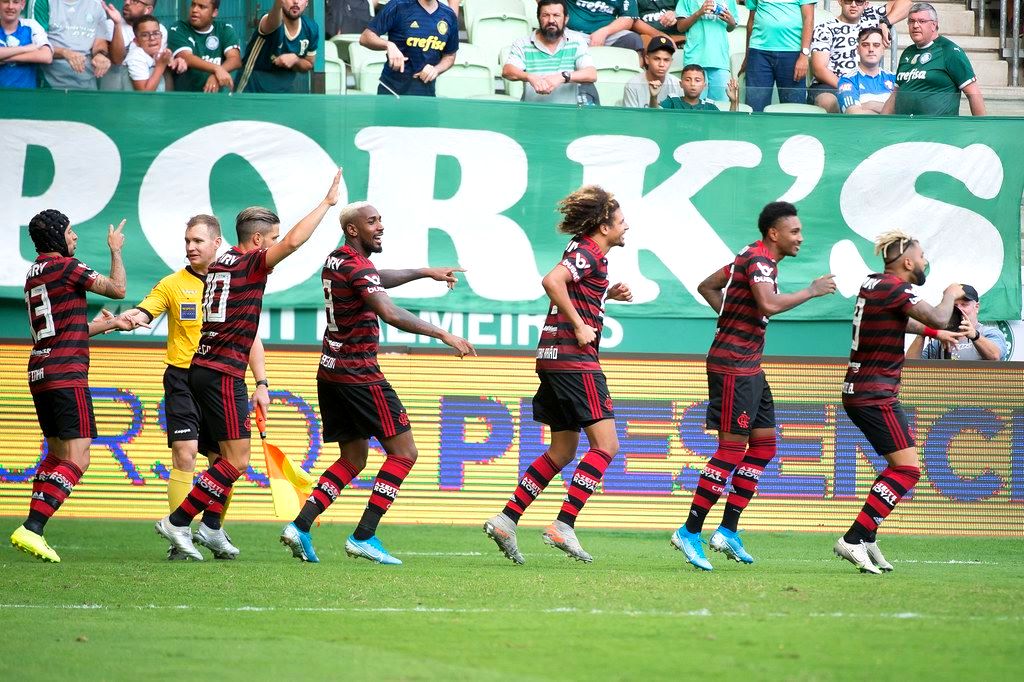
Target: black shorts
(65, 413)
(358, 411)
(820, 89)
(180, 407)
(569, 401)
(738, 404)
(885, 426)
(223, 403)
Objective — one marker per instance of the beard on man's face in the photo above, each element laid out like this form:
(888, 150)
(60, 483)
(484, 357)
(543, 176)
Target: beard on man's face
(553, 31)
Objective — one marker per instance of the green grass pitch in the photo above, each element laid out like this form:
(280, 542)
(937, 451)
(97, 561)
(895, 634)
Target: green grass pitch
(115, 609)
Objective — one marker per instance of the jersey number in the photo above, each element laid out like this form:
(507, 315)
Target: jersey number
(43, 311)
(858, 314)
(329, 306)
(216, 312)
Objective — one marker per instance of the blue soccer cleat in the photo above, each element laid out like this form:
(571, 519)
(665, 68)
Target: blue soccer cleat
(301, 544)
(728, 543)
(370, 549)
(690, 545)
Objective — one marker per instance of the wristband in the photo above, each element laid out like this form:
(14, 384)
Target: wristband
(977, 335)
(931, 333)
(263, 382)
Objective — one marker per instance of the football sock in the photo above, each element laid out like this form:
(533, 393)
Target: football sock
(887, 490)
(588, 474)
(712, 480)
(745, 478)
(49, 490)
(213, 486)
(178, 486)
(212, 516)
(227, 503)
(536, 478)
(331, 483)
(385, 490)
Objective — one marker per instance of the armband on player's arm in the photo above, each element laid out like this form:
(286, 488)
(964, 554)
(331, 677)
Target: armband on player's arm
(930, 333)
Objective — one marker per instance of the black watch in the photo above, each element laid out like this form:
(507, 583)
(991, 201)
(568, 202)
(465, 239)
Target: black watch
(567, 76)
(263, 382)
(977, 335)
(885, 20)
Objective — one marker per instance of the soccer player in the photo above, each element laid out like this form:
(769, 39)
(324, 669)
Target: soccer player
(573, 392)
(740, 406)
(881, 318)
(58, 367)
(180, 296)
(232, 301)
(356, 401)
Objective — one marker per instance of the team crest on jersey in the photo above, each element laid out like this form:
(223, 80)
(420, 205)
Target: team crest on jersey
(212, 43)
(926, 57)
(743, 420)
(188, 312)
(403, 419)
(608, 403)
(442, 27)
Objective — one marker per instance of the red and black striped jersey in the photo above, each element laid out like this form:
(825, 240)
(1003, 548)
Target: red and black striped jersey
(232, 302)
(739, 337)
(349, 354)
(55, 289)
(877, 353)
(557, 350)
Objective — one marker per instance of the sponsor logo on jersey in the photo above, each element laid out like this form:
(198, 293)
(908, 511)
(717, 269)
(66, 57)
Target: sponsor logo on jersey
(712, 474)
(373, 279)
(550, 353)
(766, 270)
(530, 486)
(414, 24)
(549, 329)
(211, 485)
(848, 387)
(584, 481)
(425, 44)
(327, 361)
(758, 279)
(329, 489)
(36, 375)
(854, 367)
(385, 489)
(188, 311)
(178, 432)
(748, 472)
(581, 262)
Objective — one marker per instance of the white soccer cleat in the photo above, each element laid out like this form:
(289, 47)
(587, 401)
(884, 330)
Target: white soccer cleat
(181, 538)
(563, 536)
(502, 530)
(217, 541)
(856, 555)
(876, 557)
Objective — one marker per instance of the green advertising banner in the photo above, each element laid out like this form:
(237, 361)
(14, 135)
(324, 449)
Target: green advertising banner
(476, 183)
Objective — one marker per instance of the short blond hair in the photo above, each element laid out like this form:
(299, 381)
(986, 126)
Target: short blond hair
(892, 244)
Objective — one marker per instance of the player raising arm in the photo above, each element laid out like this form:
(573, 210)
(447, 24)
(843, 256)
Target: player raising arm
(881, 318)
(232, 302)
(356, 401)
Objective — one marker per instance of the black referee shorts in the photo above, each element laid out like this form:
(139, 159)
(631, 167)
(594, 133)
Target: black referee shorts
(180, 407)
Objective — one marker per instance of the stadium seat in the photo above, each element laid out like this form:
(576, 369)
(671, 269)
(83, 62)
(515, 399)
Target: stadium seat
(744, 108)
(343, 41)
(738, 39)
(513, 89)
(793, 108)
(472, 9)
(742, 13)
(366, 67)
(335, 77)
(471, 75)
(530, 10)
(493, 32)
(615, 66)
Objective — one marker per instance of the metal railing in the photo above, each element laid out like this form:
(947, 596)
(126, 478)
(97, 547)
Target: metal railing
(1004, 29)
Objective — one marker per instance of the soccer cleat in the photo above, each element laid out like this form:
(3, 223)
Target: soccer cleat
(563, 536)
(502, 530)
(856, 555)
(370, 549)
(34, 544)
(301, 544)
(217, 541)
(690, 545)
(174, 554)
(729, 543)
(876, 557)
(181, 538)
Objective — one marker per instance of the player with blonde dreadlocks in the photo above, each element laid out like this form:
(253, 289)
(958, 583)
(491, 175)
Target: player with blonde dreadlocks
(573, 391)
(887, 309)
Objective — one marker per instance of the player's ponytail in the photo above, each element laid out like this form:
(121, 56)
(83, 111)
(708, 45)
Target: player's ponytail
(586, 210)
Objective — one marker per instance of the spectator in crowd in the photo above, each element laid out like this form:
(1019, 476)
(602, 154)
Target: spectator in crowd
(132, 10)
(868, 87)
(77, 31)
(207, 46)
(981, 342)
(552, 62)
(422, 39)
(654, 85)
(834, 45)
(778, 48)
(706, 24)
(282, 47)
(148, 59)
(23, 46)
(657, 18)
(933, 72)
(345, 16)
(606, 22)
(693, 83)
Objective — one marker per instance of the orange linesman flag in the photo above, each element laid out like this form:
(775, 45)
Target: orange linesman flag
(290, 485)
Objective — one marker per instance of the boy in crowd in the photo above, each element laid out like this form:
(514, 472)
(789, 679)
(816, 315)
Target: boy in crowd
(693, 84)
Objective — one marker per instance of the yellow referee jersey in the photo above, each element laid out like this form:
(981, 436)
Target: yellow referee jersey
(180, 296)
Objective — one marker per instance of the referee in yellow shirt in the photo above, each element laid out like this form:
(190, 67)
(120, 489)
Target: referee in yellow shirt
(180, 296)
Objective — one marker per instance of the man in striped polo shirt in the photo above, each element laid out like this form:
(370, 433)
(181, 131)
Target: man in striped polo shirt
(551, 61)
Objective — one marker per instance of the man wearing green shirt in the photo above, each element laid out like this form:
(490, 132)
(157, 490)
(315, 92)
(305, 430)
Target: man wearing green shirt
(208, 47)
(606, 22)
(707, 24)
(933, 72)
(693, 83)
(778, 50)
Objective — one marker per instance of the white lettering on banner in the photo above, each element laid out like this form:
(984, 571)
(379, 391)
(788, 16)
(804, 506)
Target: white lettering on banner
(674, 230)
(802, 157)
(86, 171)
(880, 195)
(494, 178)
(476, 336)
(177, 185)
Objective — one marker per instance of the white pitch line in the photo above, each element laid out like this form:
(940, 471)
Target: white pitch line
(399, 553)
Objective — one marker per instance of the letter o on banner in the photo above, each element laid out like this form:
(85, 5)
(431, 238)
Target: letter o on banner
(177, 186)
